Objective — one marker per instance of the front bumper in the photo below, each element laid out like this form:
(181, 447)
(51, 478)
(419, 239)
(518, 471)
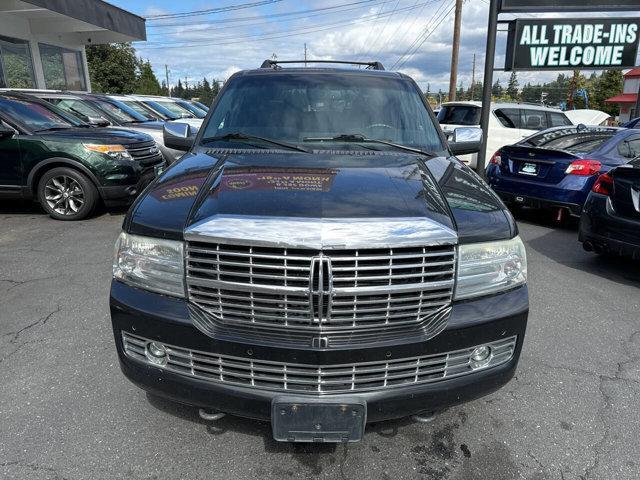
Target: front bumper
(123, 195)
(166, 319)
(602, 229)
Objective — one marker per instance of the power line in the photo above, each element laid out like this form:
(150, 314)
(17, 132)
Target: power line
(383, 29)
(267, 22)
(208, 11)
(403, 58)
(228, 40)
(363, 3)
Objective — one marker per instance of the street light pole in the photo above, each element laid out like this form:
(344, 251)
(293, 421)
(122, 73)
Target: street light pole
(487, 83)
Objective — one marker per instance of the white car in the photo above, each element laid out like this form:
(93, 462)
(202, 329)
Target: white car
(508, 122)
(150, 107)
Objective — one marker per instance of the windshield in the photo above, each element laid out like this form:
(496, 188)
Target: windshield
(173, 107)
(299, 107)
(192, 108)
(121, 112)
(78, 108)
(141, 109)
(163, 110)
(34, 116)
(459, 115)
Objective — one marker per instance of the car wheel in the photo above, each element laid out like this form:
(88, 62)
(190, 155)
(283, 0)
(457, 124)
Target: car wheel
(67, 194)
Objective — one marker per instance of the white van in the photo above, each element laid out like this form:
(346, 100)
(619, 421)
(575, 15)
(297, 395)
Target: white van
(508, 123)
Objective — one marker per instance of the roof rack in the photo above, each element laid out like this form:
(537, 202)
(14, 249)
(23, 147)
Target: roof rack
(275, 64)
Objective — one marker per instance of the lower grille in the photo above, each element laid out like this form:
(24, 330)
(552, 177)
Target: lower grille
(319, 379)
(146, 153)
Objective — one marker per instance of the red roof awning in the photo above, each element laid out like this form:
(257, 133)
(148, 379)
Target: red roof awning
(634, 72)
(624, 98)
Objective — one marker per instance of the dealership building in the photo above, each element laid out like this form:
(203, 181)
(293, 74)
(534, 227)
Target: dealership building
(42, 42)
(627, 100)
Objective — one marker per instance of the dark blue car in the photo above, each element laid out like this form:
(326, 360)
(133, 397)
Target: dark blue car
(556, 168)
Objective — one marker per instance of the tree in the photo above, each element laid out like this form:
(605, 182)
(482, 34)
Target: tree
(178, 90)
(147, 83)
(206, 94)
(496, 90)
(112, 68)
(512, 87)
(608, 85)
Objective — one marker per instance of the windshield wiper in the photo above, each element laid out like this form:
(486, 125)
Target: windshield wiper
(52, 129)
(358, 138)
(244, 136)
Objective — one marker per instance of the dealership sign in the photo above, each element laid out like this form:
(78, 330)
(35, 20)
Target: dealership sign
(569, 44)
(566, 5)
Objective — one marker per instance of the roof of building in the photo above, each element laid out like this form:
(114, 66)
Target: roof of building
(623, 98)
(87, 21)
(634, 72)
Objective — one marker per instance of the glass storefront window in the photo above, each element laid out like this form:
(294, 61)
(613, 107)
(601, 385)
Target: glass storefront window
(62, 68)
(16, 67)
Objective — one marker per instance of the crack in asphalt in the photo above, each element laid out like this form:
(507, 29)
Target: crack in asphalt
(34, 467)
(41, 322)
(19, 283)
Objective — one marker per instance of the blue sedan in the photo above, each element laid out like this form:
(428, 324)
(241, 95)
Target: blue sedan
(556, 168)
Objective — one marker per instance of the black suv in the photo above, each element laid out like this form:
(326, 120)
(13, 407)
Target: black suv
(68, 165)
(319, 259)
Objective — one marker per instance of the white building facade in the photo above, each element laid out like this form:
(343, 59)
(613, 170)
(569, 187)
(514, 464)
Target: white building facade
(42, 42)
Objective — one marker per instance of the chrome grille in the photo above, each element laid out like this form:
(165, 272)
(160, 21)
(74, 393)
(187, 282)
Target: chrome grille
(342, 294)
(145, 152)
(305, 378)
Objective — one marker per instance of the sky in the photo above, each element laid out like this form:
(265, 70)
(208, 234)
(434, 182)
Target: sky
(412, 36)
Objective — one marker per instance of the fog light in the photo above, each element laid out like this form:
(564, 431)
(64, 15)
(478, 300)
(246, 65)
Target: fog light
(480, 356)
(156, 353)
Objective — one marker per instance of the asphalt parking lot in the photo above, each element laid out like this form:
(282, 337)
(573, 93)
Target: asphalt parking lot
(66, 412)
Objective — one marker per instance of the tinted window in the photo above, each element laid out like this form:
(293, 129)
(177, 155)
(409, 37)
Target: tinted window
(571, 140)
(140, 109)
(459, 115)
(558, 120)
(533, 119)
(62, 68)
(35, 116)
(76, 107)
(16, 68)
(162, 110)
(295, 107)
(630, 147)
(192, 108)
(508, 117)
(174, 108)
(120, 111)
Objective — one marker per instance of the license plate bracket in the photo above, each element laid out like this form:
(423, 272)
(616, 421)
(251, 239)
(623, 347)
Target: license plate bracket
(303, 419)
(529, 168)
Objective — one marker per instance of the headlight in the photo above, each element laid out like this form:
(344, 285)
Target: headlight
(117, 152)
(150, 263)
(491, 267)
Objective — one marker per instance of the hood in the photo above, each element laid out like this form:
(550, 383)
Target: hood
(336, 188)
(587, 117)
(107, 135)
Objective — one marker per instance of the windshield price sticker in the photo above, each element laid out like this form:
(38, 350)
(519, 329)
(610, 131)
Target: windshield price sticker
(555, 44)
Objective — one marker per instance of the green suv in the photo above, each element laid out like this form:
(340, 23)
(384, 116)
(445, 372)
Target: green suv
(66, 164)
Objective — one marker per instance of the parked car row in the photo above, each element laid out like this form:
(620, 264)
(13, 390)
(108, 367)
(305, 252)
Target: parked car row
(588, 172)
(70, 150)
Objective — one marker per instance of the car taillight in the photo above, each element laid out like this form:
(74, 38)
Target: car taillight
(583, 167)
(497, 158)
(603, 185)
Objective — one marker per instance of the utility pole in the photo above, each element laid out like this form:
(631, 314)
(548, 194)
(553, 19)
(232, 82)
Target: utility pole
(473, 79)
(166, 75)
(305, 54)
(453, 80)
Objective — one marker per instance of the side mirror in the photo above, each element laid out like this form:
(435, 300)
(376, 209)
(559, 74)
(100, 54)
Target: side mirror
(99, 121)
(465, 140)
(6, 132)
(178, 136)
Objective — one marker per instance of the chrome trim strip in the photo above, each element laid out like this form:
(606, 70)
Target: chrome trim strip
(321, 233)
(309, 379)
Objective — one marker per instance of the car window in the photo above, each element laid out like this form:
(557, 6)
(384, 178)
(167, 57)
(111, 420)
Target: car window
(76, 107)
(120, 111)
(162, 110)
(459, 115)
(174, 107)
(295, 108)
(630, 147)
(558, 120)
(508, 117)
(140, 109)
(192, 108)
(572, 140)
(531, 119)
(33, 115)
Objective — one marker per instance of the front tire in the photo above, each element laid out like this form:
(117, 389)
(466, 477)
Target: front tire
(67, 194)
